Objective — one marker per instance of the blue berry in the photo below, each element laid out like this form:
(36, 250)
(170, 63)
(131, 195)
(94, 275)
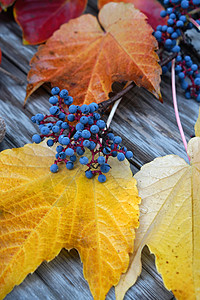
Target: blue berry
(55, 90)
(83, 160)
(86, 143)
(69, 152)
(45, 130)
(65, 125)
(97, 116)
(71, 118)
(94, 129)
(86, 134)
(39, 117)
(55, 129)
(50, 143)
(62, 155)
(60, 138)
(73, 158)
(197, 81)
(62, 116)
(101, 160)
(54, 110)
(176, 49)
(89, 174)
(59, 148)
(92, 145)
(163, 13)
(129, 154)
(64, 94)
(105, 168)
(72, 109)
(79, 126)
(68, 101)
(101, 124)
(84, 120)
(101, 178)
(33, 119)
(65, 140)
(85, 109)
(36, 138)
(80, 151)
(184, 4)
(54, 168)
(120, 156)
(90, 120)
(111, 136)
(53, 99)
(69, 165)
(106, 150)
(117, 139)
(59, 123)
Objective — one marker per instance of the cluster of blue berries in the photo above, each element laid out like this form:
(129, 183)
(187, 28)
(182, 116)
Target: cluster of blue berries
(178, 14)
(77, 128)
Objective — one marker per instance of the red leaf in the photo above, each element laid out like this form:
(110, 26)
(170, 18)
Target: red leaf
(5, 3)
(39, 19)
(151, 8)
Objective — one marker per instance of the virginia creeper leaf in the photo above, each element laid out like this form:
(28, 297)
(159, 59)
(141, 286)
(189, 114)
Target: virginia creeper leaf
(197, 126)
(151, 8)
(6, 3)
(39, 19)
(87, 60)
(170, 225)
(41, 212)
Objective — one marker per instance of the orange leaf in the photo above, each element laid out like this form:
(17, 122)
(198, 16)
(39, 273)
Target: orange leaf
(41, 212)
(87, 60)
(151, 8)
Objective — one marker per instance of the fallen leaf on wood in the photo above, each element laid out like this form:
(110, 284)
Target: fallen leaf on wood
(39, 19)
(41, 212)
(197, 126)
(151, 8)
(87, 60)
(6, 3)
(170, 223)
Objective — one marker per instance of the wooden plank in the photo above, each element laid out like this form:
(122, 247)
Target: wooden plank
(147, 127)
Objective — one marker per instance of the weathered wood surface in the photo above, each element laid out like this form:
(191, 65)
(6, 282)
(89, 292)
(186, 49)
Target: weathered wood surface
(146, 126)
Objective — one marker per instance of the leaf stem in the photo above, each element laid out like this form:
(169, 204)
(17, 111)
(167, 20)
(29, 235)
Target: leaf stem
(113, 110)
(119, 95)
(194, 23)
(176, 107)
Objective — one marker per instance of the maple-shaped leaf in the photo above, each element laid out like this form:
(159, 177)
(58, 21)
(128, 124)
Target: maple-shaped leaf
(197, 126)
(170, 223)
(41, 212)
(86, 59)
(40, 18)
(6, 3)
(151, 8)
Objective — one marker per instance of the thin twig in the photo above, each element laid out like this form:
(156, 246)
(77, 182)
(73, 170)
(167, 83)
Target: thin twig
(176, 107)
(119, 95)
(19, 81)
(168, 59)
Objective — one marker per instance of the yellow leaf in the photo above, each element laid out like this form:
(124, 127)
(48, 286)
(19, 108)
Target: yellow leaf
(41, 212)
(170, 223)
(197, 126)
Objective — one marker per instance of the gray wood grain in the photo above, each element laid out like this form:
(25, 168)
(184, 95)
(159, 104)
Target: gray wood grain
(146, 126)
